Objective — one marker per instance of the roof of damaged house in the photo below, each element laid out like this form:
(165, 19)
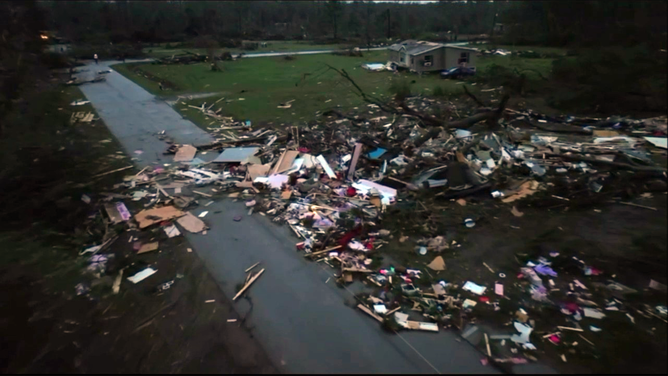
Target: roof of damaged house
(413, 47)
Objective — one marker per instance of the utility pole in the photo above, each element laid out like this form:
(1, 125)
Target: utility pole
(493, 21)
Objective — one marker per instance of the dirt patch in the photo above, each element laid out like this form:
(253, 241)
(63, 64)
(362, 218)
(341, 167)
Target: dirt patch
(138, 331)
(628, 244)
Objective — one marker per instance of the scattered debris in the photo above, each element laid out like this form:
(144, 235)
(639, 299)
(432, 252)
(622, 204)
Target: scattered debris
(148, 247)
(248, 284)
(142, 275)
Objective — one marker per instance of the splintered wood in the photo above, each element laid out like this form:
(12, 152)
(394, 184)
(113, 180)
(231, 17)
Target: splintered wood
(247, 285)
(82, 117)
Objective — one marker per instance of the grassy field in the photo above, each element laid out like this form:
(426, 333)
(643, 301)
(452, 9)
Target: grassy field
(253, 88)
(272, 46)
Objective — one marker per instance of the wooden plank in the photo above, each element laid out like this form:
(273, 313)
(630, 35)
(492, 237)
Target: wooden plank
(369, 312)
(357, 270)
(569, 328)
(392, 311)
(202, 193)
(112, 171)
(250, 282)
(324, 251)
(251, 267)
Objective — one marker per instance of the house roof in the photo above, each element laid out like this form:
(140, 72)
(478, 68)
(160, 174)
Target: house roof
(462, 48)
(414, 47)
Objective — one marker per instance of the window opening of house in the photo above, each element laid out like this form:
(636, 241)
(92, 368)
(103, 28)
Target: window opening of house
(463, 58)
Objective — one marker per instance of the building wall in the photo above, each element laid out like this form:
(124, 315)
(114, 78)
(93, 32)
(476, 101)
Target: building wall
(453, 54)
(396, 57)
(438, 61)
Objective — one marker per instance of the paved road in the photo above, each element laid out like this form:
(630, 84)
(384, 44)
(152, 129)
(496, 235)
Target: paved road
(270, 54)
(301, 321)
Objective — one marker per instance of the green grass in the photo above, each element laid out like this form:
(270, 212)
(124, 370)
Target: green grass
(267, 82)
(47, 165)
(272, 46)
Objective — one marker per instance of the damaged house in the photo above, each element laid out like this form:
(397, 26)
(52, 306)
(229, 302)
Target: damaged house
(420, 56)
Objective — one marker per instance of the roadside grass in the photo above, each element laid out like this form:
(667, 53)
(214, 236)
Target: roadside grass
(272, 46)
(253, 88)
(47, 165)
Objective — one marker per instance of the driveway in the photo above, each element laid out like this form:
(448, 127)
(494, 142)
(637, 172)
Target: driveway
(299, 317)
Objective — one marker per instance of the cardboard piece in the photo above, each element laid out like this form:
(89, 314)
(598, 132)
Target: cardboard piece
(527, 188)
(148, 247)
(256, 170)
(437, 264)
(185, 153)
(191, 223)
(146, 218)
(285, 195)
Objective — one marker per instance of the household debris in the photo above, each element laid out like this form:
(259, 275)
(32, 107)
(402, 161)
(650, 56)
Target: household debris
(348, 188)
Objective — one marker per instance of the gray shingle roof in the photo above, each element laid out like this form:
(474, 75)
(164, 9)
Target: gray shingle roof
(414, 47)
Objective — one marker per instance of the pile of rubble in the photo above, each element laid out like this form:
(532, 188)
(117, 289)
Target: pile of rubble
(333, 184)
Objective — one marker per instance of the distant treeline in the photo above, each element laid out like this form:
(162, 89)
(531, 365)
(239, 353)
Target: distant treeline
(555, 23)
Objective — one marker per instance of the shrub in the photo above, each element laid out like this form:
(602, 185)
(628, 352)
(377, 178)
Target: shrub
(400, 89)
(611, 79)
(439, 92)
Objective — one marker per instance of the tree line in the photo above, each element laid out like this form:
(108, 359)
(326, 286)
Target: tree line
(557, 23)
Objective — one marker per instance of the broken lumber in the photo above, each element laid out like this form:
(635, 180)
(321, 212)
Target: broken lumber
(323, 251)
(250, 282)
(369, 312)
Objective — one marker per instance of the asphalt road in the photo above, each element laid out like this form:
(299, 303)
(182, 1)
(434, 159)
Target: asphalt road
(301, 320)
(270, 54)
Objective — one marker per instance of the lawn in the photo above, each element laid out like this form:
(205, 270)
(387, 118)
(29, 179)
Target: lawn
(272, 46)
(253, 88)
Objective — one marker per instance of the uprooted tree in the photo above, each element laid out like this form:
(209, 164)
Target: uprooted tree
(438, 125)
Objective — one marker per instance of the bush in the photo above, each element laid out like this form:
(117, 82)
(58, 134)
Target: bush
(610, 80)
(400, 89)
(497, 75)
(439, 92)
